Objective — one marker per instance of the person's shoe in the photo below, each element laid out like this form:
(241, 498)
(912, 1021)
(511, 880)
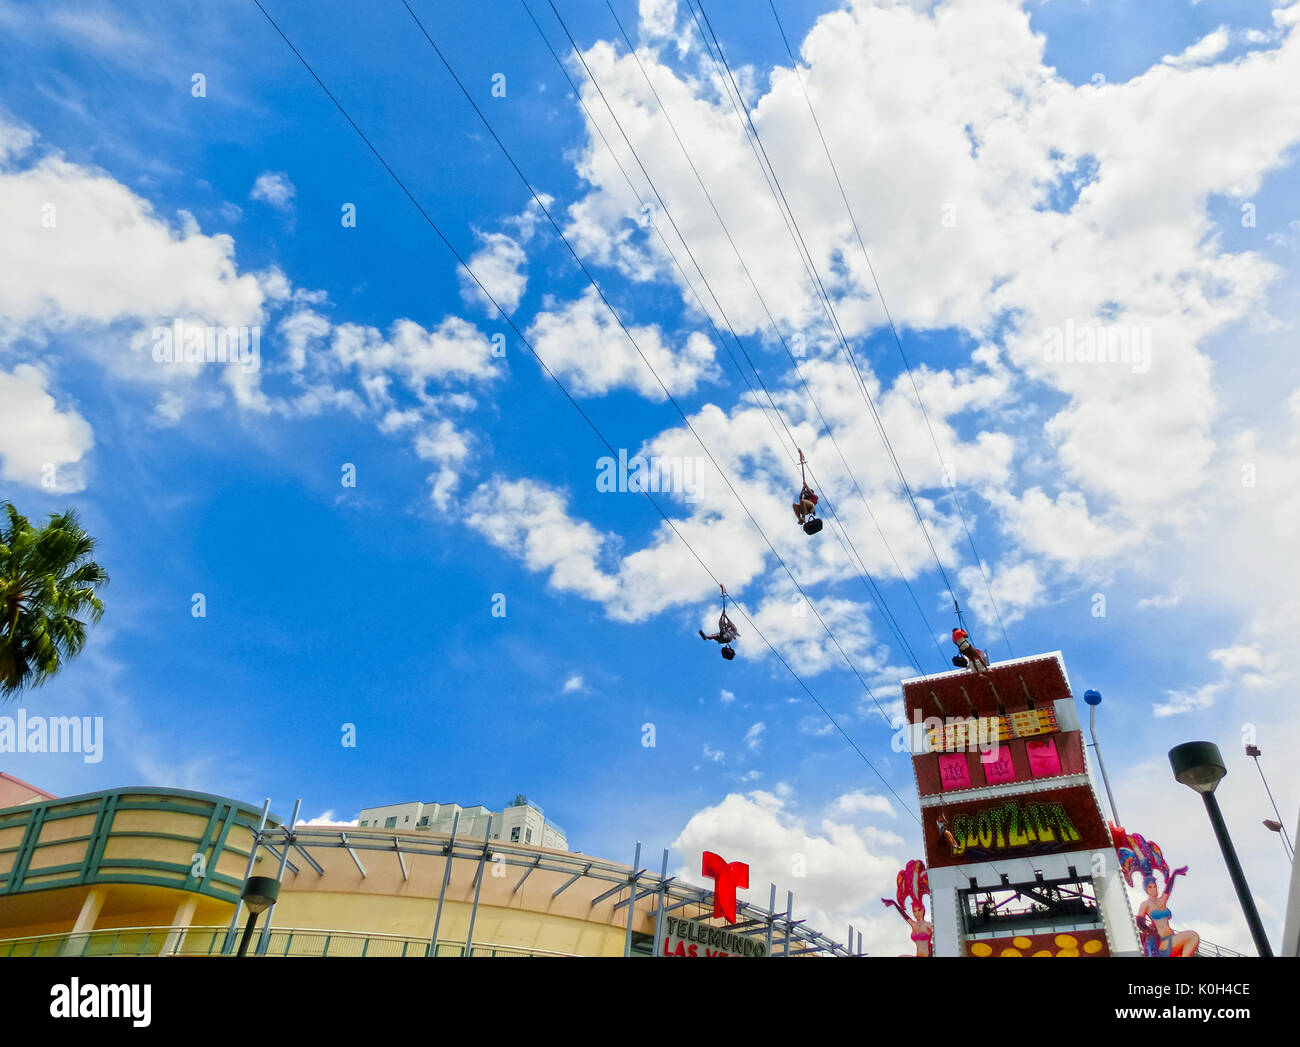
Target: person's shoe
(702, 636)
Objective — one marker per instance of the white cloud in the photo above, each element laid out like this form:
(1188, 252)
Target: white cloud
(40, 445)
(817, 726)
(996, 139)
(584, 346)
(14, 141)
(790, 624)
(862, 803)
(1186, 701)
(842, 871)
(1073, 205)
(455, 350)
(1239, 657)
(716, 755)
(66, 231)
(499, 266)
(274, 188)
(1015, 587)
(531, 522)
(573, 683)
(726, 696)
(754, 737)
(328, 818)
(1206, 49)
(658, 17)
(1064, 530)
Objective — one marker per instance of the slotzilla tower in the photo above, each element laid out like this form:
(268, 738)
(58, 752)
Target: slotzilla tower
(1020, 857)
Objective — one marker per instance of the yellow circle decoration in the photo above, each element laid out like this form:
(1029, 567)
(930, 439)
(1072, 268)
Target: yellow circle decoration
(1092, 946)
(1044, 952)
(1068, 952)
(1009, 951)
(1021, 942)
(980, 949)
(1066, 941)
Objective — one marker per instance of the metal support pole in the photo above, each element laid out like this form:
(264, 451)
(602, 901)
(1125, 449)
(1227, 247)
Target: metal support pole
(1238, 877)
(229, 944)
(446, 877)
(789, 925)
(478, 886)
(1092, 729)
(771, 919)
(1288, 848)
(859, 943)
(631, 899)
(264, 941)
(659, 910)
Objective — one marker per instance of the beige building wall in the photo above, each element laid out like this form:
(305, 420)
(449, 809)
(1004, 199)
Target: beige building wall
(383, 902)
(137, 866)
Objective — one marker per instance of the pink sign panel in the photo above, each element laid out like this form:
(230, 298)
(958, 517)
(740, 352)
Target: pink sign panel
(1044, 761)
(953, 772)
(998, 767)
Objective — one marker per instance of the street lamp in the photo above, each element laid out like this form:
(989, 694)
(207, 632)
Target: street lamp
(259, 894)
(1093, 698)
(1288, 848)
(1199, 766)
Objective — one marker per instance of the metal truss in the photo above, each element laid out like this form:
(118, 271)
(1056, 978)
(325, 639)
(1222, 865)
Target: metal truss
(786, 936)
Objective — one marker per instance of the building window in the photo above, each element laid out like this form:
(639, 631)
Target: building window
(528, 836)
(364, 823)
(514, 834)
(390, 823)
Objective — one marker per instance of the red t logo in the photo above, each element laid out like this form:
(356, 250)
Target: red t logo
(726, 877)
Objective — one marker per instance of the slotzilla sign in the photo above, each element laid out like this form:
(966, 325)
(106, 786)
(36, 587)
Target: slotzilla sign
(690, 938)
(1038, 822)
(1013, 826)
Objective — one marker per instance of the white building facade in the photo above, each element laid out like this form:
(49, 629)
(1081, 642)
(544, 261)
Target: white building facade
(518, 823)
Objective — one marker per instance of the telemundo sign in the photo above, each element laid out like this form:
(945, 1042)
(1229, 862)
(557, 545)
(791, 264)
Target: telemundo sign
(692, 938)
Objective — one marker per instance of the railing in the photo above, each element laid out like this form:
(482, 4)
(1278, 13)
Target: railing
(1210, 949)
(208, 941)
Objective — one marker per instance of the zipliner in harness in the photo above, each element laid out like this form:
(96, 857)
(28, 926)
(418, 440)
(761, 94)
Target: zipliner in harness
(805, 509)
(727, 631)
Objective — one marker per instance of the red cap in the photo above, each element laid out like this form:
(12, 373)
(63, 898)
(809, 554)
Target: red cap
(958, 635)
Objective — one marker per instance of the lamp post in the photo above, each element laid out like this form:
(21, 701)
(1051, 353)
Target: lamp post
(259, 894)
(1199, 766)
(1093, 698)
(1288, 848)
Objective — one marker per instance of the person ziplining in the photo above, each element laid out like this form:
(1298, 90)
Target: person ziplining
(970, 657)
(805, 509)
(726, 630)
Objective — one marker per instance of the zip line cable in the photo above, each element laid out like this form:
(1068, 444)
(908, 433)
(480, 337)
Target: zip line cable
(841, 534)
(776, 328)
(569, 396)
(879, 422)
(952, 488)
(632, 339)
(758, 293)
(801, 248)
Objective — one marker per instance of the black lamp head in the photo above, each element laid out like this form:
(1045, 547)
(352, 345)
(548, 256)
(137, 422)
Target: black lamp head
(1198, 765)
(260, 893)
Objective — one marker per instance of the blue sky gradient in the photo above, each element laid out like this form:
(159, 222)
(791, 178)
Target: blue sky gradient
(371, 605)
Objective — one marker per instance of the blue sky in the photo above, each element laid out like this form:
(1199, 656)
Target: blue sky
(1012, 168)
